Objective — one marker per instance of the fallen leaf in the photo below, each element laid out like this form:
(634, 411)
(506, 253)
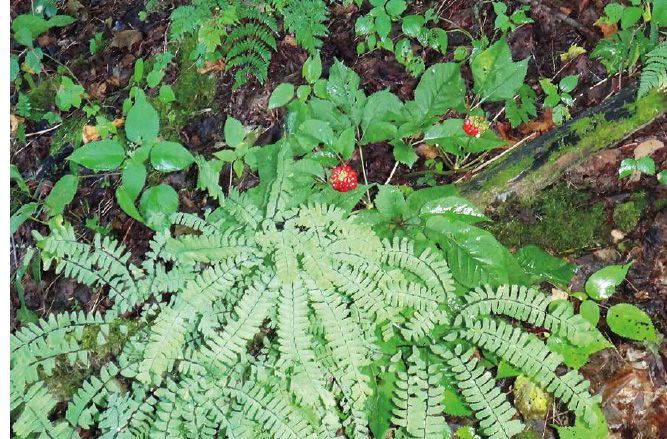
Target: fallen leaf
(582, 5)
(118, 123)
(290, 40)
(539, 126)
(607, 29)
(503, 130)
(14, 122)
(429, 152)
(617, 235)
(209, 66)
(97, 90)
(126, 38)
(647, 148)
(89, 134)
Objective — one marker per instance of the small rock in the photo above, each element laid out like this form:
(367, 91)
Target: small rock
(607, 255)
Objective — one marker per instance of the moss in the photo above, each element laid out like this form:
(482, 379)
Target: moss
(69, 132)
(627, 215)
(43, 94)
(119, 331)
(194, 92)
(531, 401)
(65, 381)
(562, 220)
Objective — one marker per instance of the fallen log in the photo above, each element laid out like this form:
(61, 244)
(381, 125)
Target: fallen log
(524, 170)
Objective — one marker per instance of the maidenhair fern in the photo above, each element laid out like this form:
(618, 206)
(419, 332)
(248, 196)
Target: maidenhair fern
(654, 73)
(273, 318)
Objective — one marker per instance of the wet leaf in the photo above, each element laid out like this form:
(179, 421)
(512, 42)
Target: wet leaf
(602, 284)
(541, 266)
(455, 208)
(170, 156)
(496, 76)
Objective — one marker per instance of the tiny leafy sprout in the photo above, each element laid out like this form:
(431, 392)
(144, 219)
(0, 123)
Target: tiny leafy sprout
(69, 95)
(558, 97)
(343, 178)
(643, 165)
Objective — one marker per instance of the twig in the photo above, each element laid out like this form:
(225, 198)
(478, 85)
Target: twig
(392, 173)
(562, 17)
(37, 133)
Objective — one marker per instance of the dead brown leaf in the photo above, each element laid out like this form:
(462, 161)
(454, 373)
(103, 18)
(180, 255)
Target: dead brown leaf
(647, 148)
(539, 126)
(97, 90)
(429, 152)
(607, 29)
(118, 123)
(89, 134)
(126, 39)
(209, 66)
(14, 122)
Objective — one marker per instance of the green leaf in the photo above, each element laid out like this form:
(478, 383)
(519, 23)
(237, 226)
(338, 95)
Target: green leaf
(541, 266)
(68, 95)
(15, 175)
(61, 21)
(318, 130)
(381, 106)
(473, 254)
(404, 153)
(21, 215)
(583, 429)
(454, 208)
(590, 311)
(390, 202)
(630, 16)
(102, 155)
(126, 202)
(382, 25)
(13, 67)
(505, 370)
(234, 132)
(602, 284)
(441, 88)
(412, 25)
(281, 95)
(312, 68)
(630, 322)
(645, 165)
(568, 83)
(662, 177)
(395, 7)
(157, 205)
(61, 195)
(496, 76)
(170, 156)
(166, 94)
(378, 131)
(575, 356)
(226, 155)
(133, 178)
(142, 123)
(344, 145)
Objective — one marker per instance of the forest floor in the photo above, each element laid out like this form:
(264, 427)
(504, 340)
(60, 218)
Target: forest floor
(589, 216)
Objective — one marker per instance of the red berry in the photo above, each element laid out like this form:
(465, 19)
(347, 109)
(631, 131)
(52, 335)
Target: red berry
(469, 128)
(343, 178)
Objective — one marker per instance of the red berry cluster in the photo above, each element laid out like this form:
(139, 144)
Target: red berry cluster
(469, 128)
(343, 178)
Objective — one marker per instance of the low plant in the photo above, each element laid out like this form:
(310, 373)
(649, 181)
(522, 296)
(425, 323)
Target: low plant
(558, 97)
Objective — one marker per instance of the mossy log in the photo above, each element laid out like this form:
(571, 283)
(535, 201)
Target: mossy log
(524, 170)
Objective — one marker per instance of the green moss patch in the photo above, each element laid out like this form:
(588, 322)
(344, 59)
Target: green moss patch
(560, 219)
(627, 215)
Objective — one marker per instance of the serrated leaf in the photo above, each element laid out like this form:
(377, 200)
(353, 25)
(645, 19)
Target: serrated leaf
(441, 88)
(496, 77)
(404, 153)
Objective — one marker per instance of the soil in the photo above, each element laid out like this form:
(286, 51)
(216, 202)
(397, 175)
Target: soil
(631, 377)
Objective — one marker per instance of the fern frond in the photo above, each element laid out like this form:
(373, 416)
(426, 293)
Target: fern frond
(418, 399)
(423, 322)
(479, 390)
(654, 73)
(305, 19)
(34, 419)
(527, 305)
(530, 355)
(217, 247)
(84, 404)
(270, 411)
